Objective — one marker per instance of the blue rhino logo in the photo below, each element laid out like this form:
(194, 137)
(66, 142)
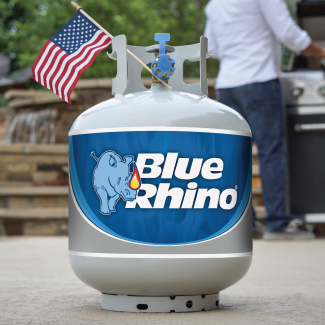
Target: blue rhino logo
(111, 178)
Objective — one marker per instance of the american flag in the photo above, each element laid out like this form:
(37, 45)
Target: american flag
(67, 54)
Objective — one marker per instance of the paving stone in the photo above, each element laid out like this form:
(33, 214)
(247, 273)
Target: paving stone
(63, 201)
(2, 229)
(41, 228)
(23, 168)
(13, 227)
(40, 177)
(20, 202)
(63, 228)
(45, 201)
(34, 213)
(3, 202)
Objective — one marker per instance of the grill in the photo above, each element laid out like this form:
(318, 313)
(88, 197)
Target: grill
(304, 92)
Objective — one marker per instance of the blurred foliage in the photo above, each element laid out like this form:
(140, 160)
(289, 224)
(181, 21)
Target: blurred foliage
(3, 102)
(25, 26)
(286, 53)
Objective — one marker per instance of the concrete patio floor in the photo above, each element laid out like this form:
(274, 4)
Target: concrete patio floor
(285, 285)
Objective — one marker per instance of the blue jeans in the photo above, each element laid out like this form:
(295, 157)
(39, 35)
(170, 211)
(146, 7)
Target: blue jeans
(262, 105)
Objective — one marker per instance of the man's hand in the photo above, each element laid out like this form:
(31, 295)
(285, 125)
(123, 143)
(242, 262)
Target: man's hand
(315, 50)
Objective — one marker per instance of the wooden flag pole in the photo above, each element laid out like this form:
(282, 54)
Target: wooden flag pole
(79, 8)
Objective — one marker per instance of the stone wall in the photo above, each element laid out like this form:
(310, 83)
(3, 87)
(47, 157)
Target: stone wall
(34, 176)
(34, 189)
(87, 93)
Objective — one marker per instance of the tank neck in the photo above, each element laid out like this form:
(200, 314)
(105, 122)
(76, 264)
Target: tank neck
(158, 87)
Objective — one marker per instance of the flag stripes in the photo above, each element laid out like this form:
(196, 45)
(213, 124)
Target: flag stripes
(59, 71)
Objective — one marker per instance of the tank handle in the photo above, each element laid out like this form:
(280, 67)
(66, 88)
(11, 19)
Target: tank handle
(193, 53)
(128, 77)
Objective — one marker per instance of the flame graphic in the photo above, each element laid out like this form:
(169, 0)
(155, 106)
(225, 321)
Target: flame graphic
(135, 181)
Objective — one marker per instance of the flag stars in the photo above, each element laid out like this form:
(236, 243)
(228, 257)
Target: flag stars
(79, 32)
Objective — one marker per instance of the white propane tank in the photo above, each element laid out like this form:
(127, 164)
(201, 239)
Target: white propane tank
(160, 216)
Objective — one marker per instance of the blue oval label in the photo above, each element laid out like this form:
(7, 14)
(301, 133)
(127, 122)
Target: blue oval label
(161, 187)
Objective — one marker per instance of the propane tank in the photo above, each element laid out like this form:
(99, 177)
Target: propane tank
(160, 216)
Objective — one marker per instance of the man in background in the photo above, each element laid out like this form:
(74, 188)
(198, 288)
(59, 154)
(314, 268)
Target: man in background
(246, 36)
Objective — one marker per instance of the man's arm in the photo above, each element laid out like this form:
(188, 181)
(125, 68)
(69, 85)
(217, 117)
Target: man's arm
(277, 16)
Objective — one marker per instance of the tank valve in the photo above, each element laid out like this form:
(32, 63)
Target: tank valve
(163, 66)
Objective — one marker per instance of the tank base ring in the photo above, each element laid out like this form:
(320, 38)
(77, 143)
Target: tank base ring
(173, 304)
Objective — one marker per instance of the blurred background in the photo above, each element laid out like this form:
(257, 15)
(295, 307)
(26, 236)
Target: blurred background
(26, 26)
(34, 122)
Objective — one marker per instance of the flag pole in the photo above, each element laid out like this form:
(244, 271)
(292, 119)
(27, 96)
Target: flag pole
(79, 8)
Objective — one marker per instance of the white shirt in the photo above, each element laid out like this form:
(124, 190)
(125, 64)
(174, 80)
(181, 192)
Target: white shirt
(245, 36)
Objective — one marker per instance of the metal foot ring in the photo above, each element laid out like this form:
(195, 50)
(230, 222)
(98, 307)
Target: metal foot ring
(172, 304)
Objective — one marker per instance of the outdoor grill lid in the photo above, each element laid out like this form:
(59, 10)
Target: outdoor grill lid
(311, 8)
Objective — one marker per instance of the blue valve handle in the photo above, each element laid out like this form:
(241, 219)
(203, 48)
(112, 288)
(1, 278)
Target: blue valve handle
(163, 66)
(162, 38)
